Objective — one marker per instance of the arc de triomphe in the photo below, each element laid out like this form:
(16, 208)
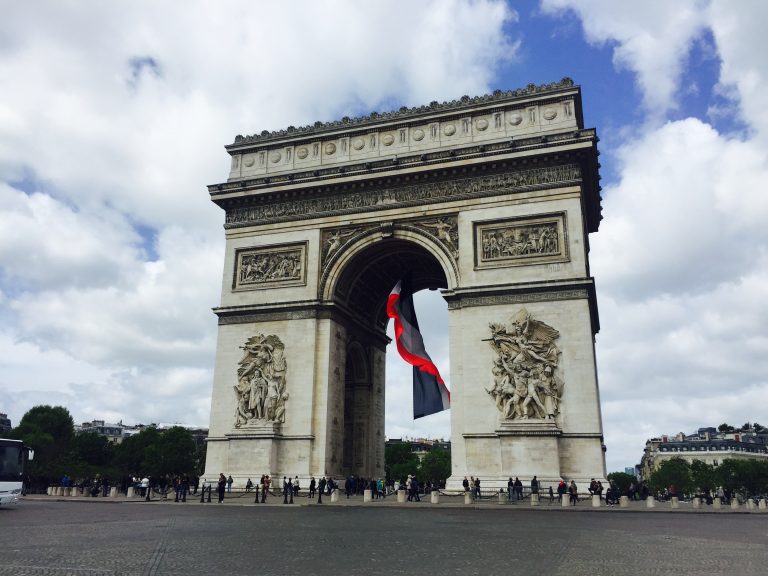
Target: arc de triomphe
(491, 200)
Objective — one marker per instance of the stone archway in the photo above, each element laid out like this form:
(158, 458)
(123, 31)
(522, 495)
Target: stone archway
(488, 199)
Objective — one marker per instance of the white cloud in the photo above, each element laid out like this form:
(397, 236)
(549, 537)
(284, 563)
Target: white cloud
(110, 259)
(650, 38)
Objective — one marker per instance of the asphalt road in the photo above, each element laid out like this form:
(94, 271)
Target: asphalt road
(133, 538)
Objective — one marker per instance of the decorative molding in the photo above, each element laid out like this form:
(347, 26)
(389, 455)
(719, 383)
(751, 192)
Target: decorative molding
(395, 197)
(270, 267)
(270, 316)
(441, 230)
(516, 298)
(405, 112)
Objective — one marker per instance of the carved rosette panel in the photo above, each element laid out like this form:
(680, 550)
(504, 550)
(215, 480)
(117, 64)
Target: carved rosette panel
(260, 392)
(526, 384)
(270, 266)
(521, 241)
(444, 229)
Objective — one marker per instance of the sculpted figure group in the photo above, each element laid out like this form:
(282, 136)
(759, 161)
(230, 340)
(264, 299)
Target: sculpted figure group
(520, 241)
(525, 384)
(270, 266)
(260, 387)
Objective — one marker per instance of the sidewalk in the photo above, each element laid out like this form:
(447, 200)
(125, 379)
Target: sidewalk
(446, 501)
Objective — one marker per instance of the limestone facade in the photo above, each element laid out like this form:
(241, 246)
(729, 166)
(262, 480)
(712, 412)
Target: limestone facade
(489, 199)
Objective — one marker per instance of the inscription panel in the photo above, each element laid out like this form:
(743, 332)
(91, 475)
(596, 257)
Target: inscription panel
(270, 267)
(521, 241)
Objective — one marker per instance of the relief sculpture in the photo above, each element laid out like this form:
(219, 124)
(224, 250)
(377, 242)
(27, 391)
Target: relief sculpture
(260, 389)
(264, 267)
(444, 229)
(515, 241)
(526, 384)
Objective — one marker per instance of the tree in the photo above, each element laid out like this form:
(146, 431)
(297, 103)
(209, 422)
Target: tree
(749, 477)
(673, 473)
(48, 430)
(399, 461)
(622, 480)
(155, 454)
(436, 465)
(725, 428)
(703, 476)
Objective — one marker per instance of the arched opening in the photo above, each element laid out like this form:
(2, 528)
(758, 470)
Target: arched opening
(361, 289)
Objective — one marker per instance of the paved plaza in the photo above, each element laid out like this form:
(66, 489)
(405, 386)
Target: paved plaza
(45, 536)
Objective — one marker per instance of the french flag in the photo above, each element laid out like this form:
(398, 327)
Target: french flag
(429, 392)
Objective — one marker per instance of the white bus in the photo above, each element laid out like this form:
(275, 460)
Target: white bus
(12, 470)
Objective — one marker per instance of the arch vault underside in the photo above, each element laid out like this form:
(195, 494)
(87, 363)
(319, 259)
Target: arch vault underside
(489, 200)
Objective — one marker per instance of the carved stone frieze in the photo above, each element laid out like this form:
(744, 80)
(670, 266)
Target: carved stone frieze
(260, 390)
(521, 241)
(516, 298)
(526, 384)
(270, 266)
(387, 198)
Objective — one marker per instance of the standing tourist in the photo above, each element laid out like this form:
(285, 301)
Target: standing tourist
(221, 487)
(320, 489)
(312, 485)
(229, 483)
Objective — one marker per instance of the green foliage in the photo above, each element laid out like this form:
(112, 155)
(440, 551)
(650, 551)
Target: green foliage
(749, 477)
(49, 430)
(622, 480)
(674, 472)
(399, 461)
(436, 465)
(154, 454)
(703, 476)
(725, 428)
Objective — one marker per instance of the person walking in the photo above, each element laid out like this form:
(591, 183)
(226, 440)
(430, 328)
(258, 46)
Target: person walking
(535, 485)
(229, 484)
(312, 485)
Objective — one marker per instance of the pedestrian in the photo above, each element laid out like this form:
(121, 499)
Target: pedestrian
(221, 487)
(518, 488)
(248, 485)
(312, 485)
(184, 487)
(535, 485)
(510, 488)
(574, 492)
(477, 487)
(465, 484)
(296, 486)
(229, 484)
(551, 495)
(320, 489)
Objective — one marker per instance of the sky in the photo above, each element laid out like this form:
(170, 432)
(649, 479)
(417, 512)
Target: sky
(113, 118)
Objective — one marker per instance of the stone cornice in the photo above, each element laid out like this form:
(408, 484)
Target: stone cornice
(405, 113)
